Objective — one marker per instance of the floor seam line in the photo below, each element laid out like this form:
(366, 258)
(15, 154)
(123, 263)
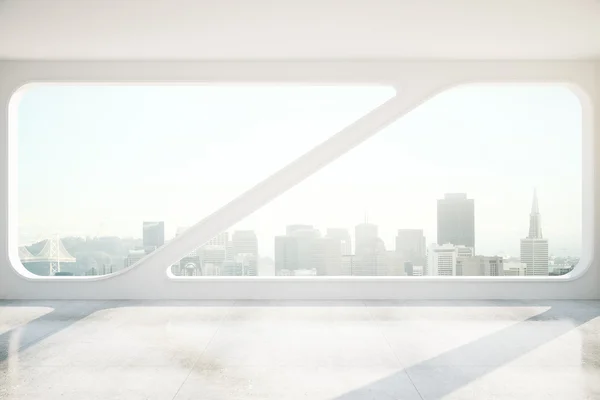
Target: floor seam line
(202, 352)
(404, 369)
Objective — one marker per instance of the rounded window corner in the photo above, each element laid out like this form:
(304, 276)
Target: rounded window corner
(17, 266)
(18, 90)
(581, 270)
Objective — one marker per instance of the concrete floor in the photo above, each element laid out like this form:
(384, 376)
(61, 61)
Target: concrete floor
(300, 350)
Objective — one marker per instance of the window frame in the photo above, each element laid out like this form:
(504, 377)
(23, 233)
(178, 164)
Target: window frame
(423, 79)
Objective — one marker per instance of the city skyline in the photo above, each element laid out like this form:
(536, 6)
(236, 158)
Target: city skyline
(389, 239)
(410, 240)
(153, 239)
(303, 250)
(174, 154)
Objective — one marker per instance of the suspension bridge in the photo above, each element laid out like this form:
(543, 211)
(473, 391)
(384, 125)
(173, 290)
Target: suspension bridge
(53, 253)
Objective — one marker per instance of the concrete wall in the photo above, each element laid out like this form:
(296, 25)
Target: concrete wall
(415, 83)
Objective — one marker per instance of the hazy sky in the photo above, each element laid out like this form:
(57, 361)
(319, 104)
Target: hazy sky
(99, 160)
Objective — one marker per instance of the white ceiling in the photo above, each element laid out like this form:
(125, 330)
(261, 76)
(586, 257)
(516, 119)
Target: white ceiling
(299, 29)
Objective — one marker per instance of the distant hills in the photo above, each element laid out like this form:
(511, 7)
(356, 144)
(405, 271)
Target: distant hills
(94, 252)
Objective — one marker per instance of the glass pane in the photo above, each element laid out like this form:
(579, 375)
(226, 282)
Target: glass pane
(108, 173)
(482, 180)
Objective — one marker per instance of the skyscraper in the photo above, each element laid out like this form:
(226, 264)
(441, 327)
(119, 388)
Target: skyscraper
(154, 235)
(220, 240)
(327, 256)
(343, 236)
(366, 238)
(410, 245)
(304, 249)
(244, 242)
(286, 255)
(292, 229)
(442, 260)
(212, 258)
(244, 245)
(367, 249)
(456, 220)
(534, 248)
(133, 257)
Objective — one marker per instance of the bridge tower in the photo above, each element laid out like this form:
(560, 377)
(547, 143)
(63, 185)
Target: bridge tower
(54, 255)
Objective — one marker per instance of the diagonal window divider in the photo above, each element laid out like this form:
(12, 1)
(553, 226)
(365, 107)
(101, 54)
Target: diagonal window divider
(287, 177)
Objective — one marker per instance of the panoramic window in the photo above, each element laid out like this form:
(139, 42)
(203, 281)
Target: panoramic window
(481, 180)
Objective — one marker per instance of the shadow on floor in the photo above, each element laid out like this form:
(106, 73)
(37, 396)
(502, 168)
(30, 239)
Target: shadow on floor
(513, 341)
(507, 345)
(63, 315)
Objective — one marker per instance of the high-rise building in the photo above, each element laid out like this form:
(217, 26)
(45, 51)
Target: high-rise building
(347, 264)
(456, 220)
(442, 260)
(410, 245)
(207, 259)
(244, 264)
(327, 257)
(388, 263)
(294, 250)
(133, 257)
(493, 266)
(464, 251)
(212, 258)
(229, 254)
(408, 268)
(392, 264)
(368, 250)
(220, 240)
(303, 248)
(290, 230)
(153, 235)
(366, 238)
(479, 266)
(534, 248)
(286, 255)
(343, 236)
(514, 268)
(245, 243)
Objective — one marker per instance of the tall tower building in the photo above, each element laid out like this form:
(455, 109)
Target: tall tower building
(286, 255)
(244, 244)
(366, 238)
(343, 236)
(303, 249)
(534, 248)
(410, 246)
(302, 229)
(212, 258)
(456, 220)
(368, 250)
(220, 240)
(153, 235)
